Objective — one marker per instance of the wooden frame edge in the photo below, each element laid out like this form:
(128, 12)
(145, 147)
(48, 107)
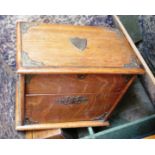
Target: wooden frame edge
(20, 88)
(80, 71)
(62, 125)
(18, 45)
(141, 59)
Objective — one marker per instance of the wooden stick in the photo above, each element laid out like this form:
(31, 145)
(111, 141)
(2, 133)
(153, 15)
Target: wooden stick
(62, 125)
(148, 71)
(20, 91)
(80, 71)
(18, 45)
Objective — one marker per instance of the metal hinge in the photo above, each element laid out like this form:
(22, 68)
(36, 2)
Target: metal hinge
(101, 117)
(29, 121)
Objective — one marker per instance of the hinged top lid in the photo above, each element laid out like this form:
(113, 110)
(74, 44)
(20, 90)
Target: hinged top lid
(48, 48)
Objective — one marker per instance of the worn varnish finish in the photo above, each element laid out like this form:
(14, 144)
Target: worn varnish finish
(64, 98)
(72, 76)
(30, 124)
(82, 83)
(47, 48)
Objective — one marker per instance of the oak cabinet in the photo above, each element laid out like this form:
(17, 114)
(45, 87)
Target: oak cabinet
(71, 76)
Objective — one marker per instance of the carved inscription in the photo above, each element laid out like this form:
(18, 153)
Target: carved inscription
(72, 100)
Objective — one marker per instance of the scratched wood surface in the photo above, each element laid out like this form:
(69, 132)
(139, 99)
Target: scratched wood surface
(65, 48)
(74, 83)
(66, 98)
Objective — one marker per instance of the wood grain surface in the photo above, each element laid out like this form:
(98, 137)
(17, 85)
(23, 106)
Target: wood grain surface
(69, 98)
(49, 47)
(45, 134)
(78, 124)
(20, 100)
(74, 83)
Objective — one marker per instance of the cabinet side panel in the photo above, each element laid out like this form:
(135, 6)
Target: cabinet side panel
(120, 96)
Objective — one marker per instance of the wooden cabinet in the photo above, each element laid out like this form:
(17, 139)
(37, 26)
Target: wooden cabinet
(71, 76)
(64, 98)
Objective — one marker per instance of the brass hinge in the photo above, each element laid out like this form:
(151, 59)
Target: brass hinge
(29, 121)
(101, 117)
(26, 26)
(132, 64)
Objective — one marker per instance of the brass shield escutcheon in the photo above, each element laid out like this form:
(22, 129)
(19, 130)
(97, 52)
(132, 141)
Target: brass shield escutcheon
(80, 43)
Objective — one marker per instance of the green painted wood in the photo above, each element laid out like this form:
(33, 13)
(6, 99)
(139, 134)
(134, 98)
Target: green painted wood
(131, 24)
(91, 132)
(130, 130)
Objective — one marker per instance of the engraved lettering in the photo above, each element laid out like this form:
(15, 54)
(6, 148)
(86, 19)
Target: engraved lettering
(72, 100)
